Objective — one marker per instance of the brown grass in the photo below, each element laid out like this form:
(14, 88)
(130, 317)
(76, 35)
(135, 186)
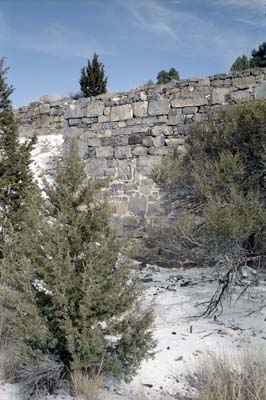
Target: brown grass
(241, 377)
(86, 386)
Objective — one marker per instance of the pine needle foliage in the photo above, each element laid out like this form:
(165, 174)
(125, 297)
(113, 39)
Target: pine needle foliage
(241, 64)
(221, 186)
(15, 176)
(93, 81)
(67, 290)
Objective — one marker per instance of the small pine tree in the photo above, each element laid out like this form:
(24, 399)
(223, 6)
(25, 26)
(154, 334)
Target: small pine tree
(241, 64)
(66, 288)
(15, 176)
(166, 76)
(258, 57)
(93, 81)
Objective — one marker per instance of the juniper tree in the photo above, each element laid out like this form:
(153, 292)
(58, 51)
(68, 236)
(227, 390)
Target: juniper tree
(67, 289)
(15, 176)
(93, 81)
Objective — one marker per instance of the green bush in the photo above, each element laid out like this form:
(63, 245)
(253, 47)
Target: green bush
(220, 183)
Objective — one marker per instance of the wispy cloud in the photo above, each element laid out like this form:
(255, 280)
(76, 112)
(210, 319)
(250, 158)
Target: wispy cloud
(250, 4)
(186, 32)
(55, 39)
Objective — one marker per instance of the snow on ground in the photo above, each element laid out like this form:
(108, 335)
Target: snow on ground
(174, 293)
(48, 147)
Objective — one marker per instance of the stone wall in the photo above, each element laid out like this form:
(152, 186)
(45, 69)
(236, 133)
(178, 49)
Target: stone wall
(123, 135)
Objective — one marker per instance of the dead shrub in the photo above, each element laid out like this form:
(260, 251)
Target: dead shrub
(45, 377)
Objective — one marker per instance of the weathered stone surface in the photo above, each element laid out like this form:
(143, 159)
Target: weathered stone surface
(45, 108)
(120, 113)
(158, 107)
(122, 152)
(95, 142)
(191, 101)
(96, 167)
(244, 83)
(95, 108)
(160, 129)
(240, 95)
(137, 205)
(260, 92)
(139, 151)
(104, 152)
(190, 110)
(175, 117)
(147, 141)
(74, 111)
(219, 96)
(140, 109)
(159, 141)
(135, 138)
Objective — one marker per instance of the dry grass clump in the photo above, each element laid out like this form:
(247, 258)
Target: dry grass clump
(220, 377)
(86, 386)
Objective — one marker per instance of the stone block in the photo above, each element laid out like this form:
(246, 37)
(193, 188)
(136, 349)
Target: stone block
(74, 111)
(121, 113)
(74, 121)
(219, 95)
(260, 92)
(124, 170)
(140, 109)
(190, 110)
(104, 152)
(240, 95)
(122, 152)
(122, 140)
(159, 141)
(103, 118)
(190, 101)
(158, 151)
(96, 168)
(135, 138)
(44, 109)
(137, 205)
(107, 111)
(160, 129)
(139, 151)
(147, 141)
(175, 117)
(94, 142)
(245, 82)
(95, 108)
(158, 107)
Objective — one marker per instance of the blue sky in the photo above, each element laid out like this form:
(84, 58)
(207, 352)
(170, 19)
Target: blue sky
(46, 42)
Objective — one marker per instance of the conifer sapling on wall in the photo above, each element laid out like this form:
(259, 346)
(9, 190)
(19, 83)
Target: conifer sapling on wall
(93, 81)
(69, 292)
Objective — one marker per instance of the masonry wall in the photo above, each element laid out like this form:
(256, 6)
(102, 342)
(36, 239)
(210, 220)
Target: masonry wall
(124, 135)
